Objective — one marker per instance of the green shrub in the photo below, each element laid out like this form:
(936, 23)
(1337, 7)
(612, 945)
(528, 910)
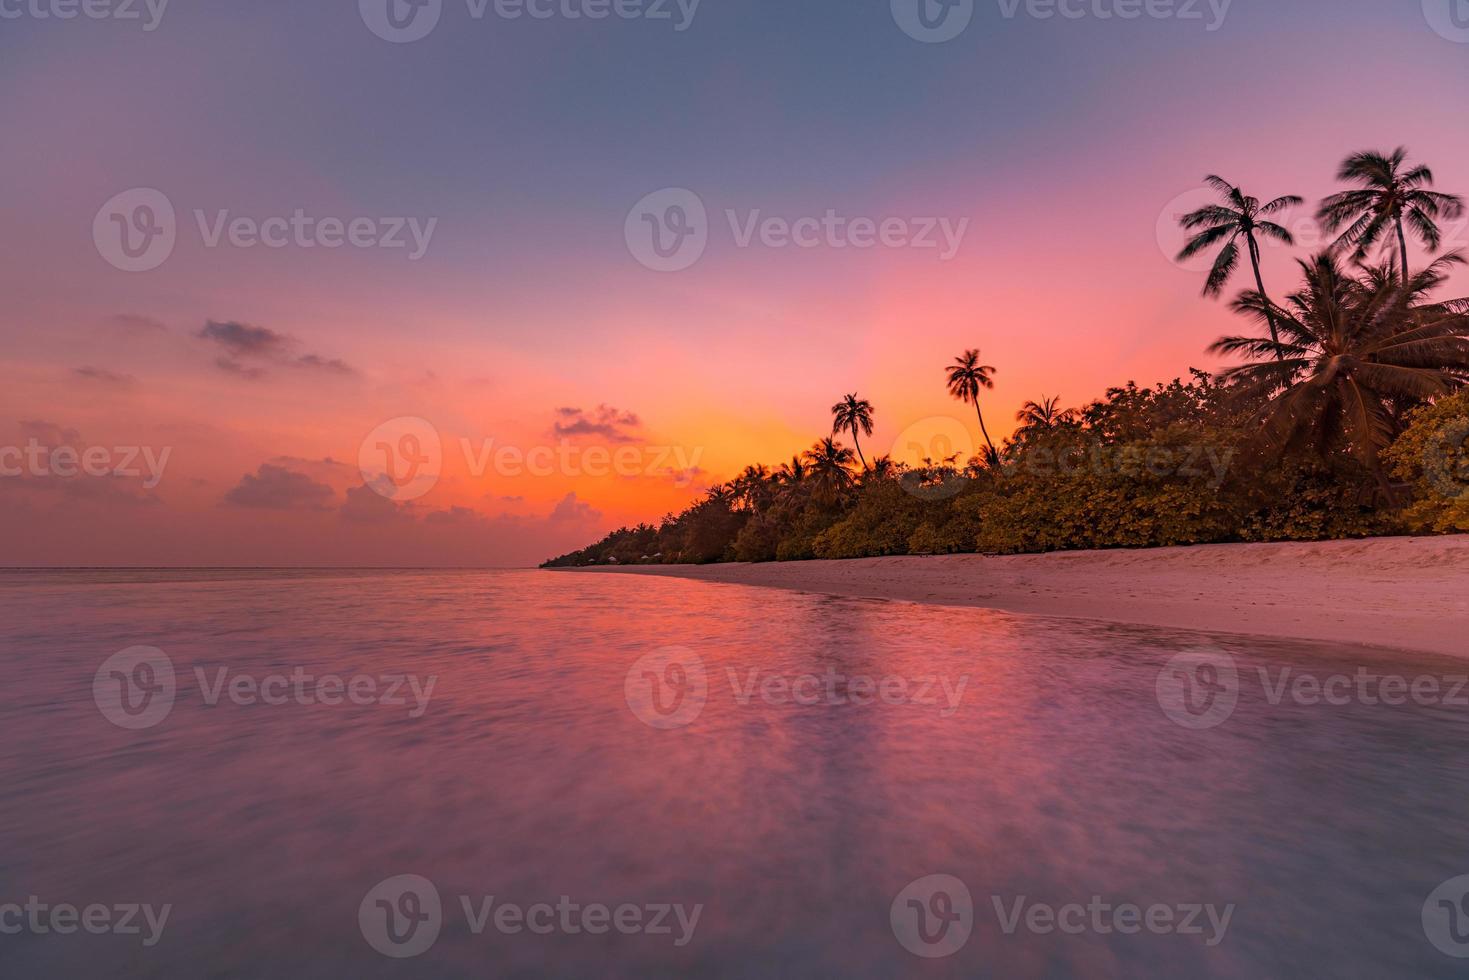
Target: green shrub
(1433, 455)
(883, 519)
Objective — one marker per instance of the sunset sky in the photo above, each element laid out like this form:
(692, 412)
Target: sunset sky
(528, 320)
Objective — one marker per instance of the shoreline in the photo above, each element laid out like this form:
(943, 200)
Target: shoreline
(1409, 594)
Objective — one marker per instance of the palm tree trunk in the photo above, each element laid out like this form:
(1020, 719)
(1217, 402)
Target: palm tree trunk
(983, 429)
(1403, 248)
(1388, 493)
(858, 443)
(1269, 307)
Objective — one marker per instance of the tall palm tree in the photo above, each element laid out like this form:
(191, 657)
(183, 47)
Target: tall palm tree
(828, 464)
(1390, 198)
(1353, 350)
(1238, 217)
(967, 377)
(1042, 416)
(854, 415)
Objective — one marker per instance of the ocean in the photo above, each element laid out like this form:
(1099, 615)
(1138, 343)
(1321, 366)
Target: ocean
(556, 774)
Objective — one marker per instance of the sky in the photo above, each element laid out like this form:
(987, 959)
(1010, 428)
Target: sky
(339, 283)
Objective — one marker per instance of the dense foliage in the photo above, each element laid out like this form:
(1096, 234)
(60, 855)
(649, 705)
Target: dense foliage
(1433, 453)
(1357, 378)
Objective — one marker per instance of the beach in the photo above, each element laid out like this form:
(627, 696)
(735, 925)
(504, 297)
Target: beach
(1407, 593)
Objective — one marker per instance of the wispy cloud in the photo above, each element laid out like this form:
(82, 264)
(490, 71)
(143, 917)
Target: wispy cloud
(612, 424)
(102, 375)
(249, 349)
(137, 323)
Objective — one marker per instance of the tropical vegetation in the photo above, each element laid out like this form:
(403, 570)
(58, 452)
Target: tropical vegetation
(1348, 415)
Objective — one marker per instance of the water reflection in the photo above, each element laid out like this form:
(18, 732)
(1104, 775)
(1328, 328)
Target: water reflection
(1058, 777)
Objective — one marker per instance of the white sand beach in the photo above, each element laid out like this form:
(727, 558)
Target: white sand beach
(1402, 593)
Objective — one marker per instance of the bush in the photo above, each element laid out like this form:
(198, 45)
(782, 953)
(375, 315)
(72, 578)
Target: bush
(1433, 455)
(883, 519)
(1070, 492)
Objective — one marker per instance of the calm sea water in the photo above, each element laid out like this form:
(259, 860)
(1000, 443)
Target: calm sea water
(808, 769)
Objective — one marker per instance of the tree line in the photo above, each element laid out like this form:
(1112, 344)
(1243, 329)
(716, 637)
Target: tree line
(1347, 416)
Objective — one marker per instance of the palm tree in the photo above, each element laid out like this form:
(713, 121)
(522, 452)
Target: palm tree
(1354, 350)
(853, 415)
(1042, 416)
(791, 480)
(752, 487)
(792, 472)
(966, 378)
(1388, 198)
(828, 463)
(1239, 217)
(883, 468)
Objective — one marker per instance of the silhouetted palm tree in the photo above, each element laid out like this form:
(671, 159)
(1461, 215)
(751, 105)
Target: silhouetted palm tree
(1239, 217)
(1388, 199)
(828, 463)
(792, 472)
(791, 480)
(967, 377)
(1352, 349)
(884, 468)
(854, 415)
(752, 488)
(1042, 416)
